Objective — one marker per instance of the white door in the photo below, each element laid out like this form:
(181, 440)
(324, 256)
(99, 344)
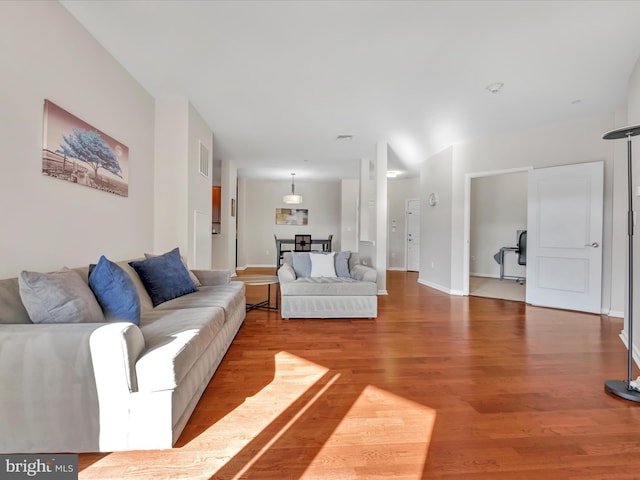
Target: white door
(413, 235)
(564, 237)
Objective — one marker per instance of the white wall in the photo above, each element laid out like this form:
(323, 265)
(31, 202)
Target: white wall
(199, 192)
(171, 201)
(436, 221)
(400, 190)
(228, 224)
(349, 203)
(633, 112)
(619, 222)
(261, 198)
(498, 211)
(180, 189)
(48, 223)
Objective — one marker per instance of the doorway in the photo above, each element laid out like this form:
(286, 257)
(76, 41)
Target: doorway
(498, 213)
(564, 225)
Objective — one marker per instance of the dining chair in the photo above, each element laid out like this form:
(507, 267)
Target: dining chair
(302, 243)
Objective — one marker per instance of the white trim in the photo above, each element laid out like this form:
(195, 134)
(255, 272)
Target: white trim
(434, 286)
(397, 269)
(383, 292)
(614, 313)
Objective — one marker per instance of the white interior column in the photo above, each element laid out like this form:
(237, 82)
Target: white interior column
(381, 216)
(364, 200)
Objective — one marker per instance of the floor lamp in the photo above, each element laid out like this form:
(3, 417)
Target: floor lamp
(623, 388)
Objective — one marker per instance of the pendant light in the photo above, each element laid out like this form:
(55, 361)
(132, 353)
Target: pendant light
(292, 198)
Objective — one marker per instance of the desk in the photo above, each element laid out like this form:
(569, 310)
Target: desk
(325, 243)
(267, 280)
(499, 257)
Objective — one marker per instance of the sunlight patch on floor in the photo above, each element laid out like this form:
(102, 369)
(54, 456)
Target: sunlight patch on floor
(293, 378)
(382, 435)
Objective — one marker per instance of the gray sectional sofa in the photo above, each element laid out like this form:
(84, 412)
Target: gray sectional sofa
(112, 385)
(350, 291)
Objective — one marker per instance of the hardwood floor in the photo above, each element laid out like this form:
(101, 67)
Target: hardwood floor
(437, 387)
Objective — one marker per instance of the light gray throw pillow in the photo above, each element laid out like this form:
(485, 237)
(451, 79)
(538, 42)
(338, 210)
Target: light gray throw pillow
(58, 297)
(342, 264)
(301, 264)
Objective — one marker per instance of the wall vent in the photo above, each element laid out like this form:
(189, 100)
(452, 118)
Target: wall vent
(204, 160)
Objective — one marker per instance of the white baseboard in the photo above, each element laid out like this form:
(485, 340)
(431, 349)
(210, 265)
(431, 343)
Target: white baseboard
(397, 269)
(614, 313)
(483, 275)
(434, 286)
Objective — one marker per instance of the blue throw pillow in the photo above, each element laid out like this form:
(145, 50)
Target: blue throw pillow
(342, 264)
(115, 291)
(301, 264)
(164, 277)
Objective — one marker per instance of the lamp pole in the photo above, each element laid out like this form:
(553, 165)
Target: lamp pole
(623, 388)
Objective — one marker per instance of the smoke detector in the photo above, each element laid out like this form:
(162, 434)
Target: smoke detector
(495, 87)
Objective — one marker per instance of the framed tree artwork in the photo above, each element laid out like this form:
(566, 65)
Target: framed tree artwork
(76, 152)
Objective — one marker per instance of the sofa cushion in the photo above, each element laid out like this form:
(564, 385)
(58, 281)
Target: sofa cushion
(165, 277)
(342, 264)
(11, 307)
(145, 299)
(193, 277)
(175, 340)
(115, 291)
(322, 264)
(58, 297)
(301, 263)
(228, 297)
(328, 286)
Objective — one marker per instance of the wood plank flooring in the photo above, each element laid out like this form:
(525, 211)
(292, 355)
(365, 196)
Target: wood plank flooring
(437, 387)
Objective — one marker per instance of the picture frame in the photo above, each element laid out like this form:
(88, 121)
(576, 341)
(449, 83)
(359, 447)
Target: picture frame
(76, 152)
(292, 216)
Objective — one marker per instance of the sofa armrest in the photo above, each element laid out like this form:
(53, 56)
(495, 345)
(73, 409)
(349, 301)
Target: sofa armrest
(286, 273)
(48, 387)
(364, 273)
(210, 278)
(115, 349)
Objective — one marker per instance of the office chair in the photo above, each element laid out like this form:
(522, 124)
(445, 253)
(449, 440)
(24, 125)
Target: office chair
(522, 248)
(521, 256)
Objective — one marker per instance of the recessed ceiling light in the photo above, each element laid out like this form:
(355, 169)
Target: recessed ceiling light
(344, 138)
(495, 87)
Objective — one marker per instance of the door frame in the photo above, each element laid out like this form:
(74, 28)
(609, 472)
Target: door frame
(467, 217)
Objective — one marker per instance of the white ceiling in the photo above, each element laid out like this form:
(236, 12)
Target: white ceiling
(277, 80)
